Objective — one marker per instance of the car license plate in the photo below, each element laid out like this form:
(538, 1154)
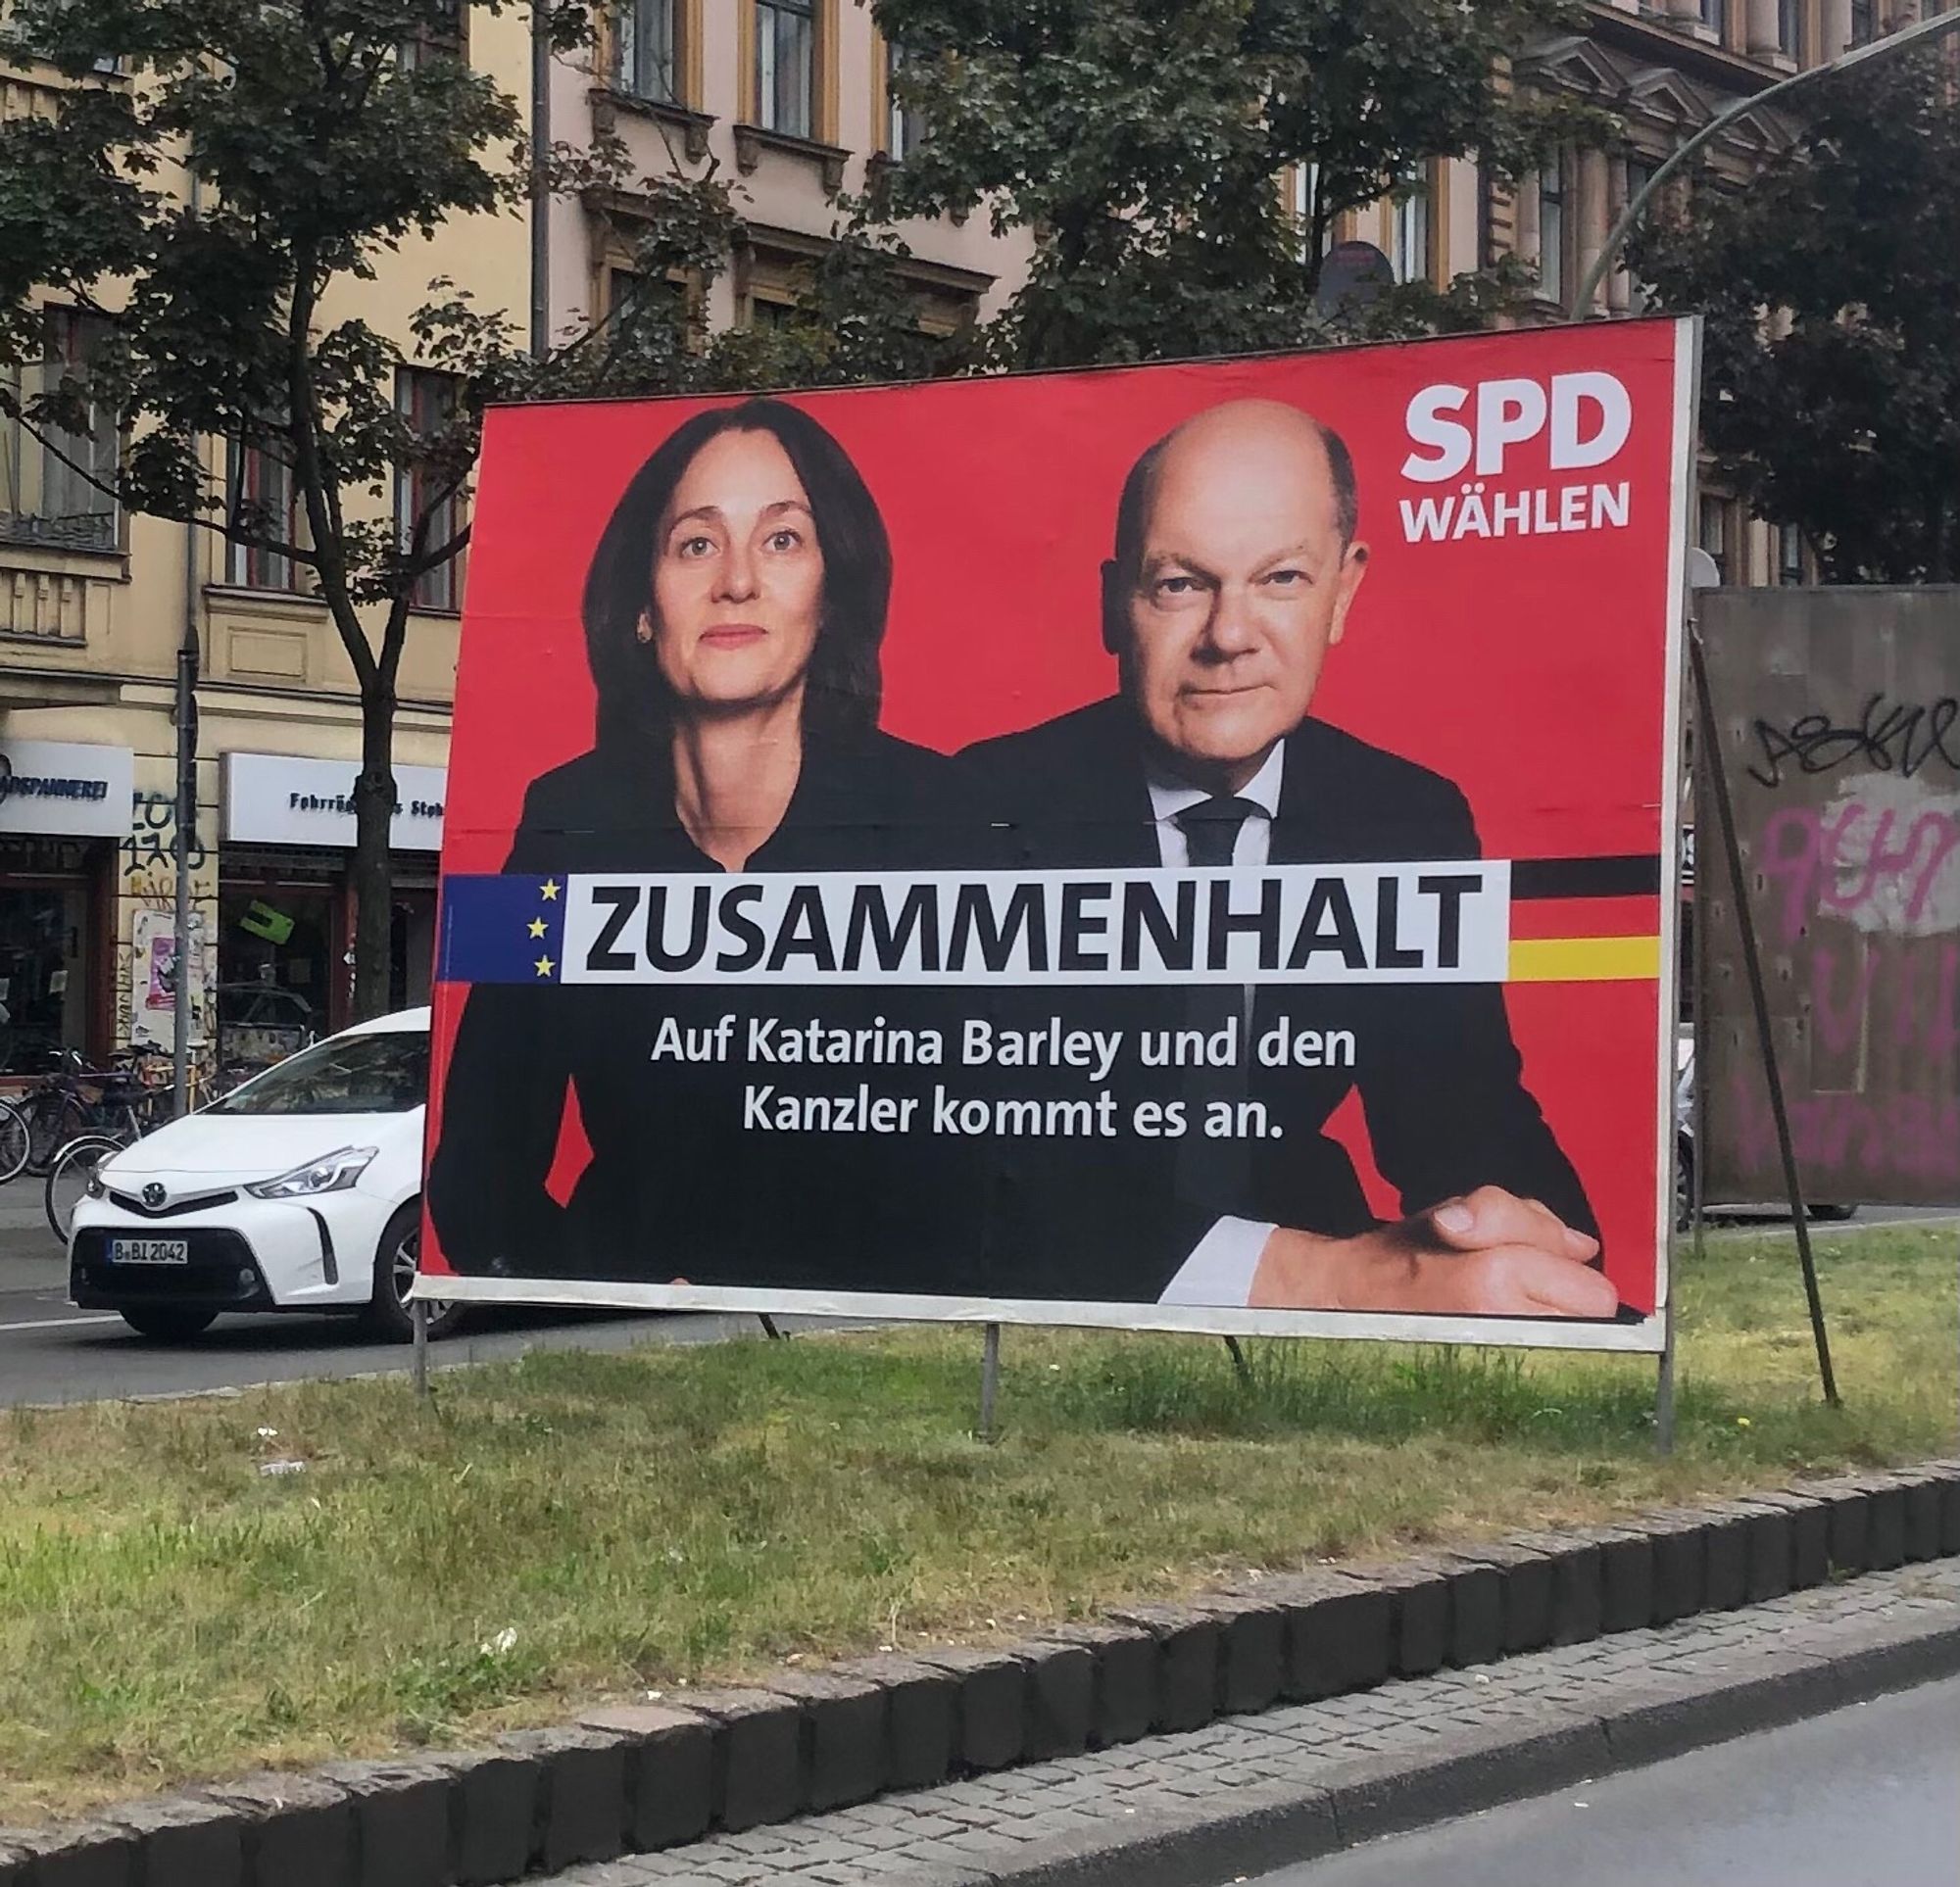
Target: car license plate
(149, 1251)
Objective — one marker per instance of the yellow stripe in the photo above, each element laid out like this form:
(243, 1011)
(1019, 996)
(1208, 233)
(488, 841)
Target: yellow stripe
(1584, 959)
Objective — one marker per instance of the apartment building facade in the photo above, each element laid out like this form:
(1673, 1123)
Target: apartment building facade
(791, 100)
(94, 607)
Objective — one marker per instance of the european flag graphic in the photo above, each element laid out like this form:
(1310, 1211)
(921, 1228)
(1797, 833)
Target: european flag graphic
(502, 928)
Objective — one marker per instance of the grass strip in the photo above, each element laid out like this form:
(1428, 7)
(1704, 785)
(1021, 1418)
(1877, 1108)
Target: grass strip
(579, 1524)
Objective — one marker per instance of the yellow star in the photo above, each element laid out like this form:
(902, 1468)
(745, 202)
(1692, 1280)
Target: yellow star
(537, 927)
(545, 966)
(548, 890)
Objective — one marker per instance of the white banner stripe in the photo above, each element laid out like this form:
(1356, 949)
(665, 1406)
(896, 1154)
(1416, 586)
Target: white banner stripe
(1443, 922)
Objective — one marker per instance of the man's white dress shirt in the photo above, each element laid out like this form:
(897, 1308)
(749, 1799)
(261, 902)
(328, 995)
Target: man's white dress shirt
(1220, 1270)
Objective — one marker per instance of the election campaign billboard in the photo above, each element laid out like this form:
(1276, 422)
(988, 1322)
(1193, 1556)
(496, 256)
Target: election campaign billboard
(1178, 846)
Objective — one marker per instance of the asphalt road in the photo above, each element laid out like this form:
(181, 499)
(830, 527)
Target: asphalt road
(52, 1352)
(1866, 1796)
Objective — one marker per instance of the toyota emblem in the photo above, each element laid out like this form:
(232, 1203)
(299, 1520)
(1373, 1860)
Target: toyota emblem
(154, 1196)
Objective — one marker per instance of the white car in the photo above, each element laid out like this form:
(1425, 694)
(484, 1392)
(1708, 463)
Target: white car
(300, 1191)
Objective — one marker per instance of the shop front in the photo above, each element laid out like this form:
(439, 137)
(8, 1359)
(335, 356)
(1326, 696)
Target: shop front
(64, 810)
(287, 901)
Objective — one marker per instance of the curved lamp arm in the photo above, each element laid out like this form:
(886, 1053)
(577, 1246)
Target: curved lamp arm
(1927, 29)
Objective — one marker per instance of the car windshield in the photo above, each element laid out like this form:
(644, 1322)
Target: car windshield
(378, 1074)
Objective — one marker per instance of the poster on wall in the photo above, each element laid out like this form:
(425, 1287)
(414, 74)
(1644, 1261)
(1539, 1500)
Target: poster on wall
(153, 984)
(1173, 847)
(1837, 719)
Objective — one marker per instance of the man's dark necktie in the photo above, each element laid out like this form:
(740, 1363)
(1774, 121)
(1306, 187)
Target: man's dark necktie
(1214, 1176)
(1210, 828)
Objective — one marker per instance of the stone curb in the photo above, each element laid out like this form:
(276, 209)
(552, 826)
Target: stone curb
(1465, 1772)
(635, 1779)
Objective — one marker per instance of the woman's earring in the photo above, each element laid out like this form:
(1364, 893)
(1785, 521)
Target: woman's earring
(644, 629)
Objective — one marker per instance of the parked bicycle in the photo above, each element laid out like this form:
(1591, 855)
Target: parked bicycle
(149, 1106)
(71, 1101)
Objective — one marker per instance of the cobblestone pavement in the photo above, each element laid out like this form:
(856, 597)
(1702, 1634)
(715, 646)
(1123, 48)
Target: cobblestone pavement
(1001, 1824)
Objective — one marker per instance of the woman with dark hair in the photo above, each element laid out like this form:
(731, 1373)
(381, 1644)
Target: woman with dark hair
(733, 615)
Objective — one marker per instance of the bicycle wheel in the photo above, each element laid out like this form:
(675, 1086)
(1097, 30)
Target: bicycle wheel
(68, 1180)
(15, 1141)
(53, 1120)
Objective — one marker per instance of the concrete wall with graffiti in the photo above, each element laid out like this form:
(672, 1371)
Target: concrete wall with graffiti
(1838, 728)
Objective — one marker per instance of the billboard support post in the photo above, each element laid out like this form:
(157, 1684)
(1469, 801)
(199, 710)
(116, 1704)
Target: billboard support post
(1240, 1368)
(769, 1327)
(419, 1323)
(1664, 1383)
(989, 1379)
(1752, 965)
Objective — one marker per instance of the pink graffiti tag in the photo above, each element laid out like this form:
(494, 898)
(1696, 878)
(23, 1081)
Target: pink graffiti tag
(1923, 1018)
(1850, 1138)
(1799, 853)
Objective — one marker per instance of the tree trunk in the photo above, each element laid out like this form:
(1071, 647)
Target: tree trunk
(373, 875)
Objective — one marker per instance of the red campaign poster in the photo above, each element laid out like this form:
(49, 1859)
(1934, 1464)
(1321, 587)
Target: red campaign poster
(1183, 846)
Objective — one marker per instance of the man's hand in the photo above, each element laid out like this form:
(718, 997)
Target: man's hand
(1486, 1254)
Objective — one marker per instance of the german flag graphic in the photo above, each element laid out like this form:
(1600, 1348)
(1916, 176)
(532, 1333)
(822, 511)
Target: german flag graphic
(1585, 920)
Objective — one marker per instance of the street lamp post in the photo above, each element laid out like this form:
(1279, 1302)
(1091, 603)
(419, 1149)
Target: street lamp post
(1897, 42)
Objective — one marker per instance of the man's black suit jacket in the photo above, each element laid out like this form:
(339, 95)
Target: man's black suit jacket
(1438, 1074)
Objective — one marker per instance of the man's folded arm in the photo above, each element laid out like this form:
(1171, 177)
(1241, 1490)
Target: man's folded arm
(1447, 1111)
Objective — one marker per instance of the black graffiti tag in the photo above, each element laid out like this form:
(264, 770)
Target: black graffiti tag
(1900, 738)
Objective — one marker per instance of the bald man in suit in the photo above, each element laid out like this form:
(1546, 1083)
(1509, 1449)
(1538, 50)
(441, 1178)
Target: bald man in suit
(1234, 568)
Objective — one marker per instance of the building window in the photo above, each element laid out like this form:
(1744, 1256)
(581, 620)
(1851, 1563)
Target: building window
(428, 492)
(786, 67)
(1305, 194)
(1790, 553)
(646, 50)
(624, 288)
(1551, 231)
(1639, 173)
(264, 509)
(51, 479)
(47, 955)
(1715, 17)
(1864, 21)
(639, 306)
(1409, 234)
(771, 316)
(443, 34)
(905, 130)
(1713, 535)
(1790, 29)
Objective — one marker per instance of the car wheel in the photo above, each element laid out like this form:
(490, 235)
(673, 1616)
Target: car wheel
(388, 1315)
(168, 1323)
(1833, 1211)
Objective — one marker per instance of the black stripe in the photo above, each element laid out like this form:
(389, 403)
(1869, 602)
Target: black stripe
(1631, 875)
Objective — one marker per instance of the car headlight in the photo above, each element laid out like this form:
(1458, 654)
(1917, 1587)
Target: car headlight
(331, 1172)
